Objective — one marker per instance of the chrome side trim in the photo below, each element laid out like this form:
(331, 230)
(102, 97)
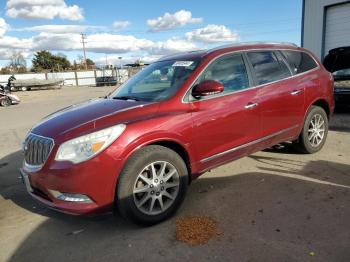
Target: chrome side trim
(251, 87)
(248, 144)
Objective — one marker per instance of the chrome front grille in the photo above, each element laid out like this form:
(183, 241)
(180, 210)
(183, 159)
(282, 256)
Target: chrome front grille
(37, 149)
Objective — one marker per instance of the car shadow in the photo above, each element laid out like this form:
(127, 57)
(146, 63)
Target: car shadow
(339, 122)
(282, 148)
(13, 189)
(281, 212)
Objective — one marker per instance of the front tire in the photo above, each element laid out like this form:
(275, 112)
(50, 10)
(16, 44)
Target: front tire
(6, 102)
(152, 185)
(314, 133)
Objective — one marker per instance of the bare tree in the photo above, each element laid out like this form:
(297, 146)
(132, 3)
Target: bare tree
(17, 62)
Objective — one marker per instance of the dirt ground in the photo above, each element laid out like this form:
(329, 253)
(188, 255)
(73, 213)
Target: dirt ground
(275, 205)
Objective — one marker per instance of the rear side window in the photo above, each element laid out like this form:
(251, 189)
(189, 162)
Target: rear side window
(267, 67)
(299, 61)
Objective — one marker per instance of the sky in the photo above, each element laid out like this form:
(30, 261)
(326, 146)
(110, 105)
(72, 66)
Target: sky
(140, 30)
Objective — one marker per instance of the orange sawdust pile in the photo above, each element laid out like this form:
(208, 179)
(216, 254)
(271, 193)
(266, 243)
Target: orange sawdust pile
(196, 230)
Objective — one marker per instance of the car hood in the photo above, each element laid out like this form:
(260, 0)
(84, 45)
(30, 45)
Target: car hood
(90, 115)
(337, 59)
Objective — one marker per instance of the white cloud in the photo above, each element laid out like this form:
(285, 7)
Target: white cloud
(170, 21)
(126, 59)
(173, 45)
(128, 46)
(57, 42)
(16, 43)
(213, 34)
(113, 43)
(119, 25)
(43, 9)
(7, 53)
(97, 43)
(60, 29)
(3, 27)
(10, 45)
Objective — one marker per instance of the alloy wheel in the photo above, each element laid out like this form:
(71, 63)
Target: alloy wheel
(316, 130)
(156, 187)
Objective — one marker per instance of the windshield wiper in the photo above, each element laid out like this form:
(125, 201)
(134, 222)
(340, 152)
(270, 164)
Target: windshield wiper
(127, 98)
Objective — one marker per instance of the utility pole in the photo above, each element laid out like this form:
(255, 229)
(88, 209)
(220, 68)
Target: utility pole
(83, 38)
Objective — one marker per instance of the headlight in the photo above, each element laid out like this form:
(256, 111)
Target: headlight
(85, 147)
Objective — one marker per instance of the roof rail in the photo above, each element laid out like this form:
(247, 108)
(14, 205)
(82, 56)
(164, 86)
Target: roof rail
(251, 43)
(182, 53)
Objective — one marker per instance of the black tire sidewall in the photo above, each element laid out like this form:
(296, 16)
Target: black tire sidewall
(308, 148)
(135, 164)
(6, 102)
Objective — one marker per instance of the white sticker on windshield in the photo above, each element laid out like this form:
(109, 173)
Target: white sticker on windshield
(183, 63)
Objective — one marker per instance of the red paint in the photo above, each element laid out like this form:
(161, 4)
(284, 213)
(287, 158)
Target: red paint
(208, 87)
(203, 128)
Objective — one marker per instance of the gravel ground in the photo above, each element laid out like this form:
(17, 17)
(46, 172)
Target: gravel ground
(275, 205)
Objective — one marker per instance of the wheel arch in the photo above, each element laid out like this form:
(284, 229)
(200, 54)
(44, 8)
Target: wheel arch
(324, 105)
(179, 149)
(300, 143)
(171, 143)
(321, 102)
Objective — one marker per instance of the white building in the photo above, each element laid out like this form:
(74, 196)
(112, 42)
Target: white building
(325, 25)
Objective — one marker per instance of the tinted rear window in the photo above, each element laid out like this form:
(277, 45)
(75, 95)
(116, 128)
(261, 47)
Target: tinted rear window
(267, 67)
(299, 61)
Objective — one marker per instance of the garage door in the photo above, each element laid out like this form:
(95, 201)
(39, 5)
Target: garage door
(337, 32)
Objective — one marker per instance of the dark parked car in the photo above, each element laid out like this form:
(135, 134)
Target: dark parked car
(337, 62)
(138, 148)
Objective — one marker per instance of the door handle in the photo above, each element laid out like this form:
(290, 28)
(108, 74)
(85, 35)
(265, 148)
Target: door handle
(296, 92)
(251, 105)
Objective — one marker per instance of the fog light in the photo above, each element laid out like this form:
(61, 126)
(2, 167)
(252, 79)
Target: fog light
(71, 197)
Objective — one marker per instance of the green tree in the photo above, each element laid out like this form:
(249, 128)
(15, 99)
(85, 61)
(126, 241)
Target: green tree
(61, 62)
(89, 62)
(44, 60)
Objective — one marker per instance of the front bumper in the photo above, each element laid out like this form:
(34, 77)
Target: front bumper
(61, 206)
(95, 179)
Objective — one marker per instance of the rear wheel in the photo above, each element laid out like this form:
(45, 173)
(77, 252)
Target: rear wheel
(152, 185)
(6, 102)
(314, 133)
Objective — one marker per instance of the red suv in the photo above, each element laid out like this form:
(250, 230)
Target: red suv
(138, 148)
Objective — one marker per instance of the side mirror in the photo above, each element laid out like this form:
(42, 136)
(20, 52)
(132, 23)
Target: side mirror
(207, 87)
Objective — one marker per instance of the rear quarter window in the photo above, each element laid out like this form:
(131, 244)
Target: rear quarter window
(300, 62)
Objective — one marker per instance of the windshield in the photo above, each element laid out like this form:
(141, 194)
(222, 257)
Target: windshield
(157, 82)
